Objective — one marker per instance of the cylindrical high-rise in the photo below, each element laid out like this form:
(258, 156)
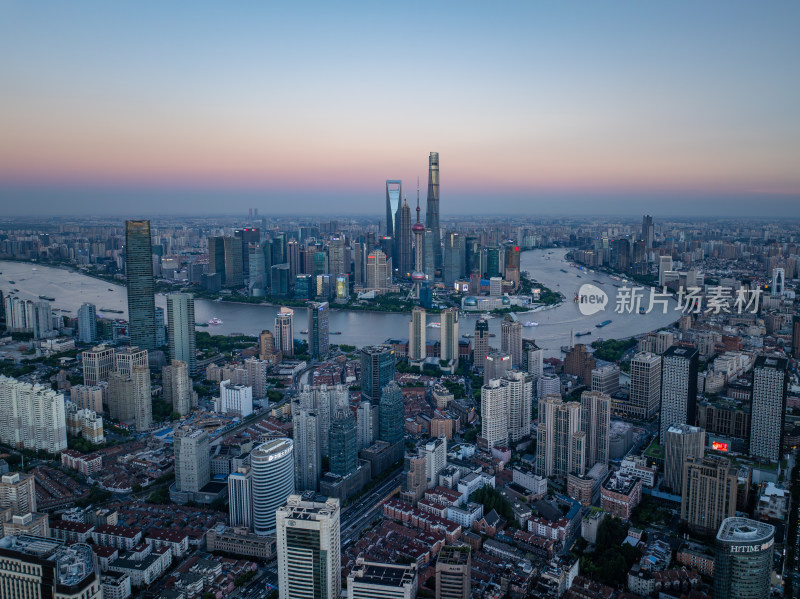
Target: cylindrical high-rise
(432, 214)
(744, 559)
(139, 272)
(272, 479)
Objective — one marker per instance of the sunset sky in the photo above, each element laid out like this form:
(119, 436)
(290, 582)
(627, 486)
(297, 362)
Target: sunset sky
(550, 107)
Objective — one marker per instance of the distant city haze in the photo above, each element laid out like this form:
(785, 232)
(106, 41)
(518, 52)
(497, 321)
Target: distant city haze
(153, 108)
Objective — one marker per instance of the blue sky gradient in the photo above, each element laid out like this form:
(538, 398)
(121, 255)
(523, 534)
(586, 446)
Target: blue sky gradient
(192, 106)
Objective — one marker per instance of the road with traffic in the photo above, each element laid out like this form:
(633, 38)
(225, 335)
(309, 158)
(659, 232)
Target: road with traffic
(357, 516)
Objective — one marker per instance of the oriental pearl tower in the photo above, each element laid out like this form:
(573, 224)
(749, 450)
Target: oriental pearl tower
(417, 276)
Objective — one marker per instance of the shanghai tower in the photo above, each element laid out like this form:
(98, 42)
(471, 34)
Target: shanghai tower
(141, 296)
(432, 214)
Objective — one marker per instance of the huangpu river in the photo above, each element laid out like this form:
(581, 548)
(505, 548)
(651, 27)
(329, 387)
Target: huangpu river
(555, 325)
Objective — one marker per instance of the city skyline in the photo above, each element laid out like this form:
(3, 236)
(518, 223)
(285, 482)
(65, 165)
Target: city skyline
(618, 108)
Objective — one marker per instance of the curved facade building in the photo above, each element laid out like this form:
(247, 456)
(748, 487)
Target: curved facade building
(744, 559)
(272, 479)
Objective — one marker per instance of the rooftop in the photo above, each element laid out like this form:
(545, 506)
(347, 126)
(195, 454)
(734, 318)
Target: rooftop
(298, 509)
(73, 564)
(395, 575)
(455, 556)
(744, 530)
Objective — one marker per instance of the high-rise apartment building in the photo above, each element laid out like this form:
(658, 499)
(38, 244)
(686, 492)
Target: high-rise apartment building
(744, 559)
(128, 357)
(272, 479)
(33, 566)
(417, 348)
(449, 335)
(480, 343)
(496, 365)
(494, 413)
(307, 434)
(343, 442)
(368, 424)
(98, 363)
(181, 329)
(454, 573)
(678, 388)
(324, 401)
(768, 408)
(89, 398)
(177, 387)
(391, 414)
(240, 498)
(32, 416)
(644, 397)
(708, 495)
(26, 316)
(18, 493)
(309, 549)
(432, 214)
(142, 398)
(681, 442)
(377, 370)
(192, 459)
(127, 397)
(595, 424)
(533, 361)
(559, 440)
(318, 333)
(284, 332)
(141, 292)
(435, 452)
(87, 323)
(519, 386)
(511, 340)
(548, 384)
(120, 397)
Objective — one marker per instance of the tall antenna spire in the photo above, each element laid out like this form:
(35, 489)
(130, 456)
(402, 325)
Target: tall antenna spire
(417, 198)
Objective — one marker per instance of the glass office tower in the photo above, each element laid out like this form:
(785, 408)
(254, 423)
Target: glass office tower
(139, 270)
